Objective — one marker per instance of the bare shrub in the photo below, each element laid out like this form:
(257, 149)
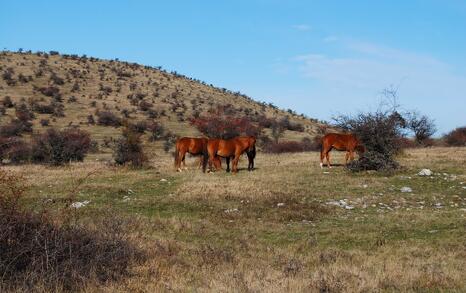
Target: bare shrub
(14, 128)
(128, 149)
(219, 124)
(14, 149)
(7, 102)
(380, 132)
(41, 253)
(108, 118)
(422, 126)
(49, 91)
(156, 130)
(59, 147)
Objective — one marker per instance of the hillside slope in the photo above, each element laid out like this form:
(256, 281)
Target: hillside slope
(85, 85)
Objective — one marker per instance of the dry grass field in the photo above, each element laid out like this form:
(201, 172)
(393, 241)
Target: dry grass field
(288, 226)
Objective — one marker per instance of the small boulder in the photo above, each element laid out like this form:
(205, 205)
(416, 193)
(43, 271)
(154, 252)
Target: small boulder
(406, 189)
(425, 172)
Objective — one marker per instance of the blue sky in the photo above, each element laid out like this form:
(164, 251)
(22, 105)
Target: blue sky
(320, 58)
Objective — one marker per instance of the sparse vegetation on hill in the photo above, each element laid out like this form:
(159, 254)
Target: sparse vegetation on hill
(42, 89)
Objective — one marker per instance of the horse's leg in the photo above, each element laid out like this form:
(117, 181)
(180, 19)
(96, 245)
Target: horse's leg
(322, 156)
(347, 155)
(179, 159)
(351, 156)
(210, 155)
(184, 162)
(250, 161)
(235, 163)
(327, 155)
(201, 159)
(227, 159)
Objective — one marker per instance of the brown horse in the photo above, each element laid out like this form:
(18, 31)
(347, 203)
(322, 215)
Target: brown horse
(194, 146)
(232, 148)
(340, 142)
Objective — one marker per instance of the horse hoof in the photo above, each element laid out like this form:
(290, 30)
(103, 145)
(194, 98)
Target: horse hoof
(178, 170)
(321, 165)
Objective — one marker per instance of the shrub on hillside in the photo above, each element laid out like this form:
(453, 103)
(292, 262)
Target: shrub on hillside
(156, 130)
(49, 91)
(139, 126)
(7, 102)
(456, 137)
(23, 113)
(218, 124)
(59, 147)
(14, 149)
(128, 149)
(14, 128)
(108, 118)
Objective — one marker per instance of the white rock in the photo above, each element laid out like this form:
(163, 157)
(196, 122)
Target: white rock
(364, 185)
(280, 204)
(349, 207)
(163, 180)
(406, 189)
(80, 204)
(231, 210)
(425, 172)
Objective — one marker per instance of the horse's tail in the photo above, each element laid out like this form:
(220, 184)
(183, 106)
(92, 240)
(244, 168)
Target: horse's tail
(177, 154)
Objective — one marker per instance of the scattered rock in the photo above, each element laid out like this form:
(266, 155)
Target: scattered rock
(425, 172)
(234, 210)
(280, 204)
(80, 204)
(364, 186)
(341, 203)
(406, 189)
(163, 180)
(126, 198)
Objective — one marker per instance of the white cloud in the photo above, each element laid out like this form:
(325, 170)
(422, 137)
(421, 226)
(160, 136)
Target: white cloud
(330, 39)
(301, 27)
(364, 69)
(374, 67)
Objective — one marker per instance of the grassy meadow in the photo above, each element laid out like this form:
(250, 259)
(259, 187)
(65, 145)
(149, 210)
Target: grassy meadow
(288, 226)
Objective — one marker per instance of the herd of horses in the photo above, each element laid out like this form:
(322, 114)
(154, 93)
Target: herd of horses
(212, 150)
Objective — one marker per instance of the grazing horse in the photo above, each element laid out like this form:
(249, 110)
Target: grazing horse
(340, 142)
(194, 146)
(232, 148)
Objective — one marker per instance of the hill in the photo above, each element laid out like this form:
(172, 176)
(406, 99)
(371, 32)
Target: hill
(68, 90)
